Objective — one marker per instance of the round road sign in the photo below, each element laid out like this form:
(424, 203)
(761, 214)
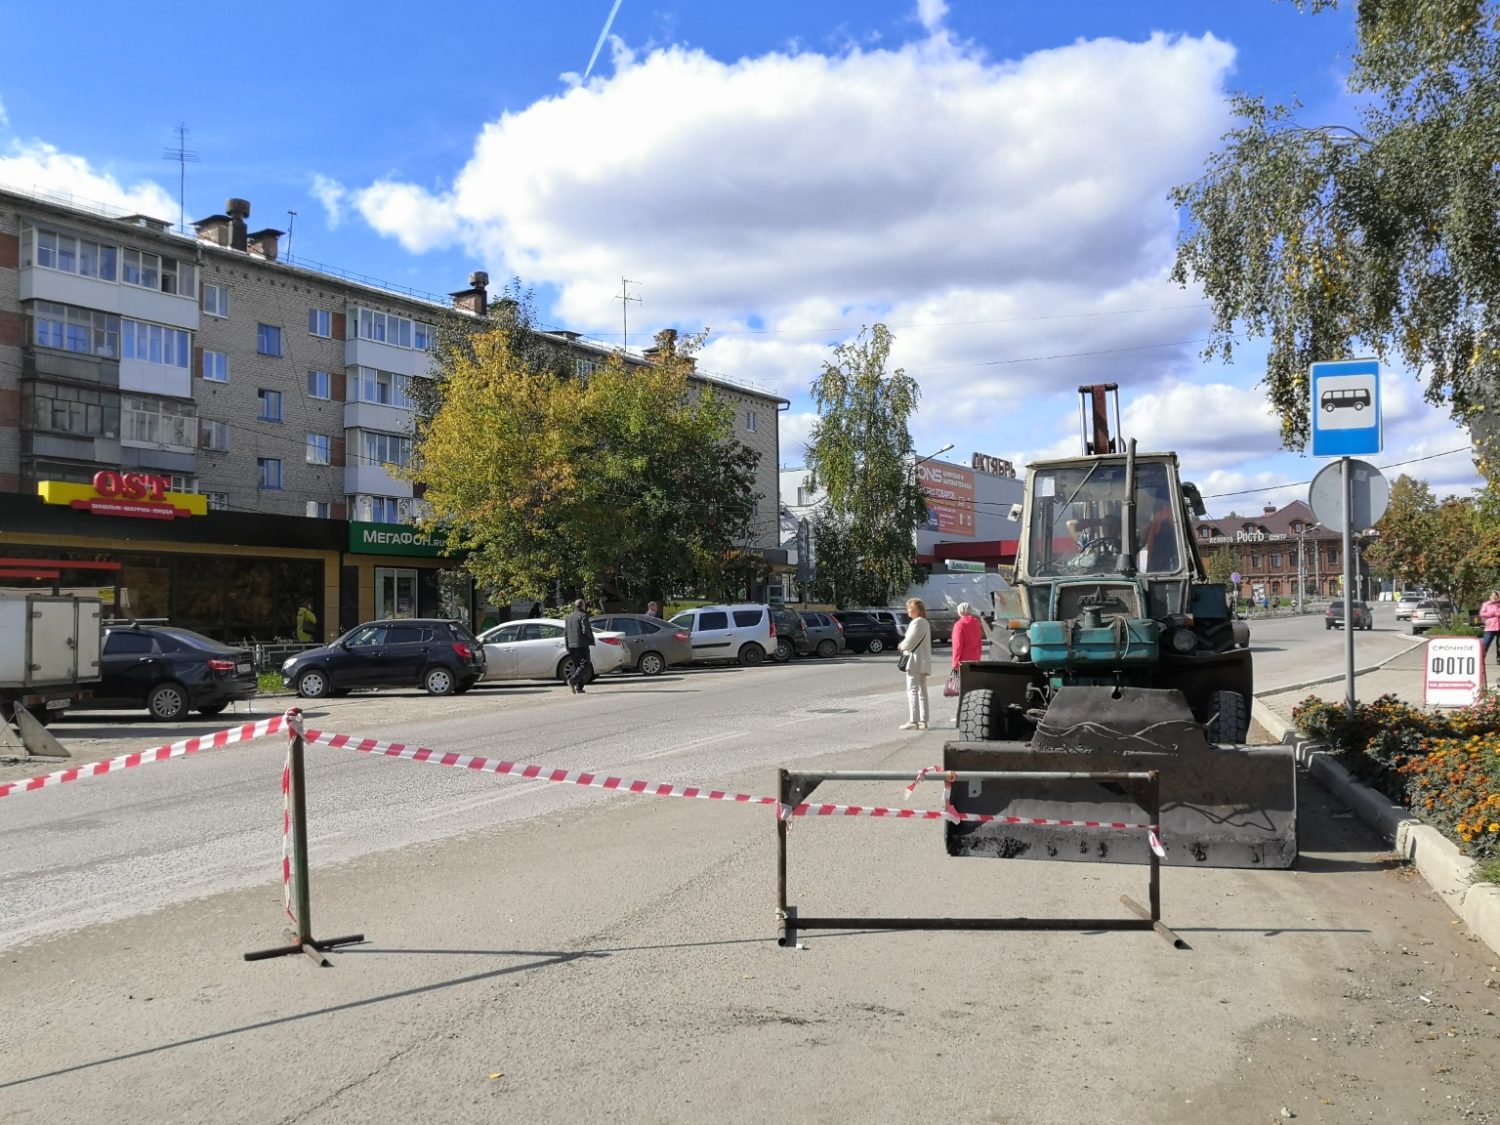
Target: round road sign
(1371, 494)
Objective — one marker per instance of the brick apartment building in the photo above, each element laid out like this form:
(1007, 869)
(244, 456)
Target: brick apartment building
(269, 399)
(1266, 548)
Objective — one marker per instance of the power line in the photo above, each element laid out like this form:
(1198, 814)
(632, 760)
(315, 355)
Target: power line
(1299, 483)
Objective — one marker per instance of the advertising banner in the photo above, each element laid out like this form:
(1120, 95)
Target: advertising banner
(950, 498)
(1454, 671)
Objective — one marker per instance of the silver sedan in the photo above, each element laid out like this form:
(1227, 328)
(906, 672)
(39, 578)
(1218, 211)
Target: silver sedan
(651, 644)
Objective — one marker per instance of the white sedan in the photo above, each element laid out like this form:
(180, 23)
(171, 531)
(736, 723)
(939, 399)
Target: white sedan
(535, 649)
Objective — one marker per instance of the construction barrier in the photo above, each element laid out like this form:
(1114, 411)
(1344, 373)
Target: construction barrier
(1142, 787)
(790, 804)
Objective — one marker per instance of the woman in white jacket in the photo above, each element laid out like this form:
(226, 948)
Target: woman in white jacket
(918, 645)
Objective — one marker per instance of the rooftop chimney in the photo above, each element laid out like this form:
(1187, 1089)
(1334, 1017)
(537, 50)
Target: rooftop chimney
(213, 229)
(239, 211)
(264, 243)
(1270, 509)
(476, 298)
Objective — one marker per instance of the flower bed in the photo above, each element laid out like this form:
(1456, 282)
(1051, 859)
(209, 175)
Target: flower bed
(1445, 767)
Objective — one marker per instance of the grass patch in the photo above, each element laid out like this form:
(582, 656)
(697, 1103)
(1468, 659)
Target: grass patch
(1488, 871)
(270, 683)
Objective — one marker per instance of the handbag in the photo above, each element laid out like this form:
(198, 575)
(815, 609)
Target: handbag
(903, 662)
(950, 688)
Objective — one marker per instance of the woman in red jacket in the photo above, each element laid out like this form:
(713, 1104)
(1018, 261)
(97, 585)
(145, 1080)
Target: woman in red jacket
(967, 639)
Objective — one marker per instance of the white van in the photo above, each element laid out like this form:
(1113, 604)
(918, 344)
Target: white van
(743, 633)
(942, 594)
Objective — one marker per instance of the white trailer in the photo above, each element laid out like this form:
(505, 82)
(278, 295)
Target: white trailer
(49, 650)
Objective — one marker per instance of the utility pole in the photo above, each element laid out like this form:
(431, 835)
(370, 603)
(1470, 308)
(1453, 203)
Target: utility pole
(184, 156)
(625, 298)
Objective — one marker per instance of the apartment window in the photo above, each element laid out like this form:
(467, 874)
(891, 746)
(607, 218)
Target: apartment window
(218, 501)
(1255, 559)
(213, 436)
(317, 449)
(318, 384)
(54, 250)
(377, 509)
(320, 322)
(159, 422)
(317, 509)
(383, 387)
(268, 339)
(270, 472)
(1275, 560)
(270, 405)
(179, 482)
(583, 368)
(387, 328)
(216, 300)
(376, 448)
(216, 366)
(750, 420)
(72, 329)
(153, 343)
(60, 408)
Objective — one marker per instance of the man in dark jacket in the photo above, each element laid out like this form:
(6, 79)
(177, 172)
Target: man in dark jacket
(580, 642)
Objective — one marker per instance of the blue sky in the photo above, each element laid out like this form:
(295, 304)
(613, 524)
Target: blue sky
(987, 178)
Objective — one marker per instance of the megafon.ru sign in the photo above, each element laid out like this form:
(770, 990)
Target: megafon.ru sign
(391, 539)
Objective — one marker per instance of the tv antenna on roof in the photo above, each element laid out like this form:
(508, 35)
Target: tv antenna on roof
(625, 298)
(184, 156)
(291, 222)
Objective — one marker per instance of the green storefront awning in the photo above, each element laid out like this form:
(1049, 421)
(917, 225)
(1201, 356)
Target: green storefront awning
(392, 539)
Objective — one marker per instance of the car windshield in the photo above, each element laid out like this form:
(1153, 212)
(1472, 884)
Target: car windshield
(1077, 515)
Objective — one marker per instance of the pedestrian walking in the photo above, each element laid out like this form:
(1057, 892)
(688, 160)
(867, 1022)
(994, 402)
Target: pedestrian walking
(916, 662)
(967, 642)
(1489, 615)
(579, 638)
(307, 621)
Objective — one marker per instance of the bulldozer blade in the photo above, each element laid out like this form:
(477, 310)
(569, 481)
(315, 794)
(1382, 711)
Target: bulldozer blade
(1221, 806)
(36, 739)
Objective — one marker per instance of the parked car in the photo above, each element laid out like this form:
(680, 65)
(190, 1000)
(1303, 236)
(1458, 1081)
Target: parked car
(898, 619)
(441, 656)
(825, 636)
(864, 633)
(651, 645)
(1424, 615)
(744, 633)
(1361, 617)
(1406, 601)
(791, 635)
(170, 672)
(536, 649)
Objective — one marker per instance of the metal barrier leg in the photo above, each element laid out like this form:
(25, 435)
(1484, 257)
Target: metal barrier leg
(301, 938)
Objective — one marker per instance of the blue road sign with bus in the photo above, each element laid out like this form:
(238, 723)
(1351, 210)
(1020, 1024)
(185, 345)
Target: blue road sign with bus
(1346, 408)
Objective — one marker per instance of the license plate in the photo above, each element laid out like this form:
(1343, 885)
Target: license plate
(243, 668)
(57, 704)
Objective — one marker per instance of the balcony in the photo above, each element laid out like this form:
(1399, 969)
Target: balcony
(375, 480)
(387, 357)
(109, 296)
(73, 367)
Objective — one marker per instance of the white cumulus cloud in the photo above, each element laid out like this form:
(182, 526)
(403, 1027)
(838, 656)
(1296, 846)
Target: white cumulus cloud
(35, 166)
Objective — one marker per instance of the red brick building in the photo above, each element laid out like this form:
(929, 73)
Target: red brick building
(1266, 548)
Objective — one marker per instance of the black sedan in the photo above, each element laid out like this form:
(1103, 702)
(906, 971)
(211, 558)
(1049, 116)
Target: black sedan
(171, 671)
(865, 633)
(441, 656)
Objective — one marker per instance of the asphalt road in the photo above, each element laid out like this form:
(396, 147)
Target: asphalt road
(1290, 650)
(549, 953)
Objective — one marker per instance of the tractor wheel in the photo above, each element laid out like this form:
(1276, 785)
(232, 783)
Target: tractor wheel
(1229, 717)
(976, 716)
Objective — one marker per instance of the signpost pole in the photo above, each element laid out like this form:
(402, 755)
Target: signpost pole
(1348, 482)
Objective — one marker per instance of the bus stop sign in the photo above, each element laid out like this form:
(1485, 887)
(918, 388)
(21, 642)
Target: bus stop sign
(1345, 408)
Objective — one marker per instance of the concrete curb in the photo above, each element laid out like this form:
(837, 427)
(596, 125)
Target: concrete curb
(1435, 856)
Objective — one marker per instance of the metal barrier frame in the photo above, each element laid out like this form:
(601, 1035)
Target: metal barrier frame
(794, 787)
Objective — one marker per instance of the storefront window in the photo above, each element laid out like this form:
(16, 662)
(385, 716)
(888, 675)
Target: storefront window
(395, 592)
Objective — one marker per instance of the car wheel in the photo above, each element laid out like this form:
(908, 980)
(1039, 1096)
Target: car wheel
(651, 664)
(751, 655)
(439, 681)
(784, 650)
(565, 669)
(827, 650)
(167, 702)
(212, 709)
(312, 684)
(875, 645)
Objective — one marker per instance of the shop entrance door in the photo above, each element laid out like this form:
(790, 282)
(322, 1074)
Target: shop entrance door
(395, 592)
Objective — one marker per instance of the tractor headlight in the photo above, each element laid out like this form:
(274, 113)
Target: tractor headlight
(1020, 645)
(1183, 641)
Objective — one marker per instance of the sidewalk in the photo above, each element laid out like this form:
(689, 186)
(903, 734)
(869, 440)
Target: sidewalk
(1399, 675)
(1449, 873)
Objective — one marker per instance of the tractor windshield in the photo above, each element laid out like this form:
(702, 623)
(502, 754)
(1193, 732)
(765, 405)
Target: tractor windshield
(1077, 515)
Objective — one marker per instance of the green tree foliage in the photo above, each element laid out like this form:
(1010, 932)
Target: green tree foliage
(860, 455)
(625, 483)
(1335, 240)
(1220, 564)
(1452, 546)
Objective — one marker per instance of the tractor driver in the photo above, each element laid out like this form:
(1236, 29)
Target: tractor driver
(1159, 539)
(1098, 540)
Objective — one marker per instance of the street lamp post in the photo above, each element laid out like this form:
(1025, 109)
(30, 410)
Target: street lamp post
(1302, 563)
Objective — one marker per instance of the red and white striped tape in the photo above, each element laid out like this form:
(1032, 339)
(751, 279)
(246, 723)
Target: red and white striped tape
(530, 772)
(247, 733)
(286, 830)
